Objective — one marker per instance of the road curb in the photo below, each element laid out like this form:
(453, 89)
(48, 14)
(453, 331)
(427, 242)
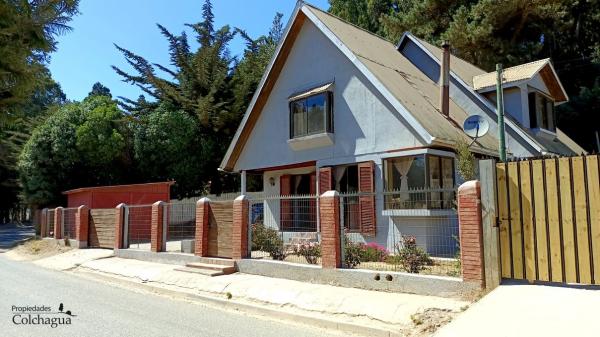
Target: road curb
(250, 308)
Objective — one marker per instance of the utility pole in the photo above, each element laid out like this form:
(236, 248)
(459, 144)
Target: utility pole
(500, 108)
(597, 142)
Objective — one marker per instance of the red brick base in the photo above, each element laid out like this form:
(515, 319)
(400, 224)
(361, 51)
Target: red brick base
(119, 223)
(239, 234)
(157, 227)
(82, 218)
(471, 232)
(329, 210)
(202, 214)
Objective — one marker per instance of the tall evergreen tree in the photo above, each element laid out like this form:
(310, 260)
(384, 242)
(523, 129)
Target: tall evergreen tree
(249, 71)
(28, 31)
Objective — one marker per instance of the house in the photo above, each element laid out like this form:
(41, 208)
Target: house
(341, 108)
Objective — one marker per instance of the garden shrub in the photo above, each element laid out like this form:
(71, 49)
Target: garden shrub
(311, 251)
(268, 240)
(412, 258)
(351, 253)
(373, 252)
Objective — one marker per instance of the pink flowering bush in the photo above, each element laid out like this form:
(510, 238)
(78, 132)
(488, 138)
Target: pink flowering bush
(311, 251)
(373, 252)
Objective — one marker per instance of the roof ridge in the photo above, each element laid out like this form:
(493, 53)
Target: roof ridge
(348, 22)
(516, 67)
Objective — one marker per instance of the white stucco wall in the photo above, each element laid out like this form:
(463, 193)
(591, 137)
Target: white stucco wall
(364, 123)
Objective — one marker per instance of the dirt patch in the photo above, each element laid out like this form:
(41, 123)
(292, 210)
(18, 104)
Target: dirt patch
(425, 323)
(36, 249)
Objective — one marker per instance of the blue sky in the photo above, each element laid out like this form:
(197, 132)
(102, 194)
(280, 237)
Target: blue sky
(85, 55)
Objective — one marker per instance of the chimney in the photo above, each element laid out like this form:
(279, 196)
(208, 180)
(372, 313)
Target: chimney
(444, 78)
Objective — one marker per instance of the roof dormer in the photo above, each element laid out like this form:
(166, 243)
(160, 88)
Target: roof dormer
(531, 91)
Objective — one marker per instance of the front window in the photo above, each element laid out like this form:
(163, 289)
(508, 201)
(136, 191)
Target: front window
(346, 182)
(311, 115)
(541, 112)
(419, 182)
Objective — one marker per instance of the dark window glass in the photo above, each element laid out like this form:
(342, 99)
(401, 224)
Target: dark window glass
(532, 111)
(311, 115)
(541, 112)
(316, 106)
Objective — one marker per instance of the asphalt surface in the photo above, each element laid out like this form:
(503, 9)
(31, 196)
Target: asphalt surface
(11, 234)
(104, 310)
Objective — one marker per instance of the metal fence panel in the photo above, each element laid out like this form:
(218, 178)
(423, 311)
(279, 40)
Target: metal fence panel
(50, 224)
(68, 222)
(285, 228)
(181, 224)
(139, 226)
(411, 239)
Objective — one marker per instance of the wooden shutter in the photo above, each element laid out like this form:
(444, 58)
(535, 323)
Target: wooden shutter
(325, 179)
(285, 209)
(366, 184)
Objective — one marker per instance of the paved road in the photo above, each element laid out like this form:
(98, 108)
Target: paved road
(10, 234)
(103, 310)
(514, 310)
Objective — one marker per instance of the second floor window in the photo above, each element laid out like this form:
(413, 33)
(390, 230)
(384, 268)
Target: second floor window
(311, 115)
(541, 112)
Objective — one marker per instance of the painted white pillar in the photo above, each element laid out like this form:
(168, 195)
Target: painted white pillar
(243, 181)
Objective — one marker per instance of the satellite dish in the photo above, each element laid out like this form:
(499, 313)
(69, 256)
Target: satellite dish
(476, 126)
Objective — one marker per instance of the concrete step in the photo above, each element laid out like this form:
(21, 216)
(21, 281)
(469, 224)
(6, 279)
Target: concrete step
(209, 266)
(216, 260)
(206, 272)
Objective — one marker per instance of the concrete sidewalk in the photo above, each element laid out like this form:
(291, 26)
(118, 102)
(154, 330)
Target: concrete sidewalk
(388, 311)
(529, 310)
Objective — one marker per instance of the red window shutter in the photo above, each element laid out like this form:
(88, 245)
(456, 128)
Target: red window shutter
(366, 184)
(285, 209)
(325, 179)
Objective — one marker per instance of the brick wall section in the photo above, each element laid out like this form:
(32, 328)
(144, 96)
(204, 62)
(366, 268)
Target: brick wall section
(44, 223)
(471, 232)
(202, 216)
(119, 223)
(329, 209)
(82, 219)
(239, 233)
(58, 223)
(157, 227)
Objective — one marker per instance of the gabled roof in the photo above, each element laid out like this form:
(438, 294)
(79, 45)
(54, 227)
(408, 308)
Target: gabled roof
(400, 82)
(411, 93)
(525, 72)
(465, 70)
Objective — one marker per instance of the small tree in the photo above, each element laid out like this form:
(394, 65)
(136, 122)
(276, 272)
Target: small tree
(412, 258)
(465, 160)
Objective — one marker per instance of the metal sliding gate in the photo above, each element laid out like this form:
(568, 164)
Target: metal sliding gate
(549, 218)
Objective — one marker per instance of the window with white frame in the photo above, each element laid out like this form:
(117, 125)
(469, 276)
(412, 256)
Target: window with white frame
(541, 112)
(311, 115)
(423, 181)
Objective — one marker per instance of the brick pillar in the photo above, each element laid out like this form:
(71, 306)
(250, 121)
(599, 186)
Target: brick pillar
(329, 210)
(239, 235)
(470, 231)
(202, 221)
(157, 227)
(58, 223)
(44, 223)
(82, 218)
(120, 226)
